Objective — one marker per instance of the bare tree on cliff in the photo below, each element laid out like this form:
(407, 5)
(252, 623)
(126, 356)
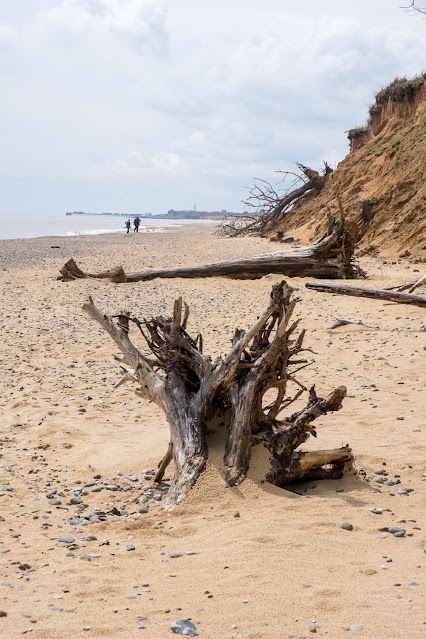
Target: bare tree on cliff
(414, 6)
(269, 206)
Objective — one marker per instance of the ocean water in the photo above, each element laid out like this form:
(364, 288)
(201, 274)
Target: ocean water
(24, 226)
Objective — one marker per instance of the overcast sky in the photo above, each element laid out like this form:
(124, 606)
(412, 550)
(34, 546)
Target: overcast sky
(147, 105)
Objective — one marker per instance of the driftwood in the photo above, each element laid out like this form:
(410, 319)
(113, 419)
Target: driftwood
(330, 258)
(342, 321)
(411, 286)
(374, 293)
(191, 389)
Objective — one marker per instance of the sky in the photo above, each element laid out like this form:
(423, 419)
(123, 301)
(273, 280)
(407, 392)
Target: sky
(147, 105)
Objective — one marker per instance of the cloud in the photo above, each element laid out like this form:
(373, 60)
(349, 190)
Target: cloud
(137, 24)
(188, 97)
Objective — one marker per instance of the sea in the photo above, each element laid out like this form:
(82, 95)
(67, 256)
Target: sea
(26, 226)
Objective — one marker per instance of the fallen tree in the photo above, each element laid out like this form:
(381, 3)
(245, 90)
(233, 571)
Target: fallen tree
(331, 258)
(269, 207)
(373, 293)
(191, 389)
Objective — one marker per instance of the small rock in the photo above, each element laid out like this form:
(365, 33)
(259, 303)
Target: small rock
(3, 613)
(237, 514)
(184, 627)
(355, 628)
(75, 500)
(346, 526)
(395, 529)
(87, 627)
(175, 554)
(376, 511)
(131, 547)
(54, 502)
(66, 540)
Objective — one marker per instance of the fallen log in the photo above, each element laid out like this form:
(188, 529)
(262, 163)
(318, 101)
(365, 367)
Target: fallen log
(329, 258)
(374, 293)
(191, 389)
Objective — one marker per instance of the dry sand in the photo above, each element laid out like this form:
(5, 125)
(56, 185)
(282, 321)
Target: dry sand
(281, 566)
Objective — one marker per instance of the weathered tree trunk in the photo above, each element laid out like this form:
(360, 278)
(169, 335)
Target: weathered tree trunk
(374, 293)
(190, 388)
(329, 258)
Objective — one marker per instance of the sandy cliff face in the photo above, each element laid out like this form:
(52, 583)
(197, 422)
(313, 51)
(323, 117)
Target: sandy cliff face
(384, 175)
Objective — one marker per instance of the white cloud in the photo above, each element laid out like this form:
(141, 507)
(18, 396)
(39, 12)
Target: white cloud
(188, 97)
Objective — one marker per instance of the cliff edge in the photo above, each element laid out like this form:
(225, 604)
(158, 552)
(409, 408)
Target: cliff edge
(382, 182)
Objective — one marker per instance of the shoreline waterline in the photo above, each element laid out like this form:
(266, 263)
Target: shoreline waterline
(15, 227)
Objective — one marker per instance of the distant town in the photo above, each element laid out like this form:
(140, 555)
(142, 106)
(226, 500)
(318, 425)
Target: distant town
(190, 214)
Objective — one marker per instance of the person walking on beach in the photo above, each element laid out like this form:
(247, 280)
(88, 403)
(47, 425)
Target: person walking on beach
(127, 225)
(136, 223)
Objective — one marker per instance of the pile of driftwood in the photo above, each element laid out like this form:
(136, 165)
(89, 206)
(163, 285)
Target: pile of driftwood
(330, 258)
(191, 389)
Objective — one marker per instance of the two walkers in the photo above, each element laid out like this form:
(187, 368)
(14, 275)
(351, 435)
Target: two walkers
(136, 223)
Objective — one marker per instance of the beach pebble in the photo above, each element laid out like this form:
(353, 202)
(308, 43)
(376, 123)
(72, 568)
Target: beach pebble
(143, 623)
(3, 613)
(184, 627)
(143, 508)
(66, 540)
(396, 529)
(54, 502)
(175, 554)
(346, 526)
(131, 547)
(355, 628)
(376, 511)
(75, 500)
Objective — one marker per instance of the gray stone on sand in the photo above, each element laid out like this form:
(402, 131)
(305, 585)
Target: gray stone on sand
(66, 540)
(346, 526)
(184, 627)
(395, 529)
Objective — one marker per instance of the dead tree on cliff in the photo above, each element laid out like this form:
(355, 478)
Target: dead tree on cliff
(190, 389)
(269, 207)
(416, 7)
(331, 257)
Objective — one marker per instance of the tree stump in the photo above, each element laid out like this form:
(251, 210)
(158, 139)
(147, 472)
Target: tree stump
(190, 388)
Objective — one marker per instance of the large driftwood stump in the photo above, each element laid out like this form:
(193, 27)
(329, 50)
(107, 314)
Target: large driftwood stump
(330, 258)
(191, 388)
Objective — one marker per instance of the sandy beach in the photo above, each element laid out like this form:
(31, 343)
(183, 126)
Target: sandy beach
(284, 568)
